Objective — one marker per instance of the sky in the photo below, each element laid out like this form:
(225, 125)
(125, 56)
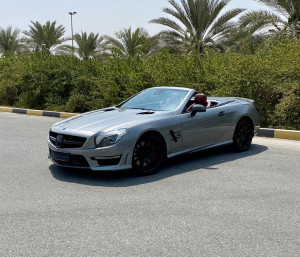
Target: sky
(98, 16)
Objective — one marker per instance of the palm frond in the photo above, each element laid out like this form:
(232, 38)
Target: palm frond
(195, 23)
(265, 18)
(222, 23)
(280, 6)
(130, 43)
(88, 45)
(9, 40)
(45, 37)
(284, 21)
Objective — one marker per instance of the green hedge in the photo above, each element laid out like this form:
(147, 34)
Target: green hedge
(271, 77)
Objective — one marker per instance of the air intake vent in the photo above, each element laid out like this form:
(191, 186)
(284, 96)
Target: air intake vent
(109, 109)
(145, 113)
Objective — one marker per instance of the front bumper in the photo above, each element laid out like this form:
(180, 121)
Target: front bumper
(93, 157)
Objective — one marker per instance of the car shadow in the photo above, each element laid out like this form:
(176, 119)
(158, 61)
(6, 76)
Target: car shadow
(203, 160)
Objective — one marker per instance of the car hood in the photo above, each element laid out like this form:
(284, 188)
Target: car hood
(111, 119)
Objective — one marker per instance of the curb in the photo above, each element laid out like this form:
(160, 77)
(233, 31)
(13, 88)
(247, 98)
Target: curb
(262, 132)
(37, 112)
(279, 133)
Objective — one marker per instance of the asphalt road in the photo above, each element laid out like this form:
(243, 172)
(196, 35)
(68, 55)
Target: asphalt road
(212, 203)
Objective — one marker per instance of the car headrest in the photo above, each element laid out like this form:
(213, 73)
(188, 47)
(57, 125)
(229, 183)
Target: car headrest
(201, 99)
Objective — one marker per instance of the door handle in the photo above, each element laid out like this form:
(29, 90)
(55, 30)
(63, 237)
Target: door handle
(221, 114)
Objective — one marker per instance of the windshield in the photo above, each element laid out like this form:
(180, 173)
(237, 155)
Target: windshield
(156, 99)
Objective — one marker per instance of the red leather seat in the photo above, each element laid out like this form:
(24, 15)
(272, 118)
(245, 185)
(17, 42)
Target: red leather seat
(199, 99)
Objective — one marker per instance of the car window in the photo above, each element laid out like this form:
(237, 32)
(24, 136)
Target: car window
(157, 99)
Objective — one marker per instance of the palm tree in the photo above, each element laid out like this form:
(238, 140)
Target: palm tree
(285, 19)
(197, 24)
(9, 40)
(243, 40)
(131, 43)
(45, 37)
(88, 45)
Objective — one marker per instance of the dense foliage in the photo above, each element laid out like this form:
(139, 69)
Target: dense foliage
(271, 77)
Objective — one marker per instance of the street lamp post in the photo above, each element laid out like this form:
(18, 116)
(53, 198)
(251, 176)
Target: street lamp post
(72, 13)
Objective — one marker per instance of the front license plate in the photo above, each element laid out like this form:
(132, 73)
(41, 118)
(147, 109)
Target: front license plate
(59, 156)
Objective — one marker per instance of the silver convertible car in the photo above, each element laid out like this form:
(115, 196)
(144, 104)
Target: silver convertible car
(155, 124)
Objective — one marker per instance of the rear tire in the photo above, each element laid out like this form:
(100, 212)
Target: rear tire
(148, 155)
(243, 135)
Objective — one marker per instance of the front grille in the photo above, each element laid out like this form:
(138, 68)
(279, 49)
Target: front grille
(74, 160)
(66, 141)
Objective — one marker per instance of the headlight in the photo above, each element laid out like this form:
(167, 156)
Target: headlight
(109, 138)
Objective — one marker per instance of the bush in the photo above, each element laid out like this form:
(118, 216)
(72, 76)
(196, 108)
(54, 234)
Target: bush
(287, 112)
(270, 76)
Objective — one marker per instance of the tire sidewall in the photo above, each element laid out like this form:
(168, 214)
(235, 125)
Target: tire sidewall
(235, 144)
(141, 172)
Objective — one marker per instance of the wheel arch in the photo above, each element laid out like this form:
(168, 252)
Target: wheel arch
(246, 117)
(157, 133)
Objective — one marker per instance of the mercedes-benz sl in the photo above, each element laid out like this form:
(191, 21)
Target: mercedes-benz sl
(155, 124)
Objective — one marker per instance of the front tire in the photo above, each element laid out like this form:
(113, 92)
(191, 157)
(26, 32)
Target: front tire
(243, 135)
(148, 155)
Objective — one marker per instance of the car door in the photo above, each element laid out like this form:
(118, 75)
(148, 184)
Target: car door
(204, 128)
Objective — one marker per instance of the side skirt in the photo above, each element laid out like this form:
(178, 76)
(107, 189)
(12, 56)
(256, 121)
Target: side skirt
(197, 149)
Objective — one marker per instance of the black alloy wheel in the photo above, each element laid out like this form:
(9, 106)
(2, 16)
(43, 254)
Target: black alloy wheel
(148, 155)
(243, 135)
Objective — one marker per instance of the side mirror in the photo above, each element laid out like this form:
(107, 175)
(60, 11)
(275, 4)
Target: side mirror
(197, 108)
